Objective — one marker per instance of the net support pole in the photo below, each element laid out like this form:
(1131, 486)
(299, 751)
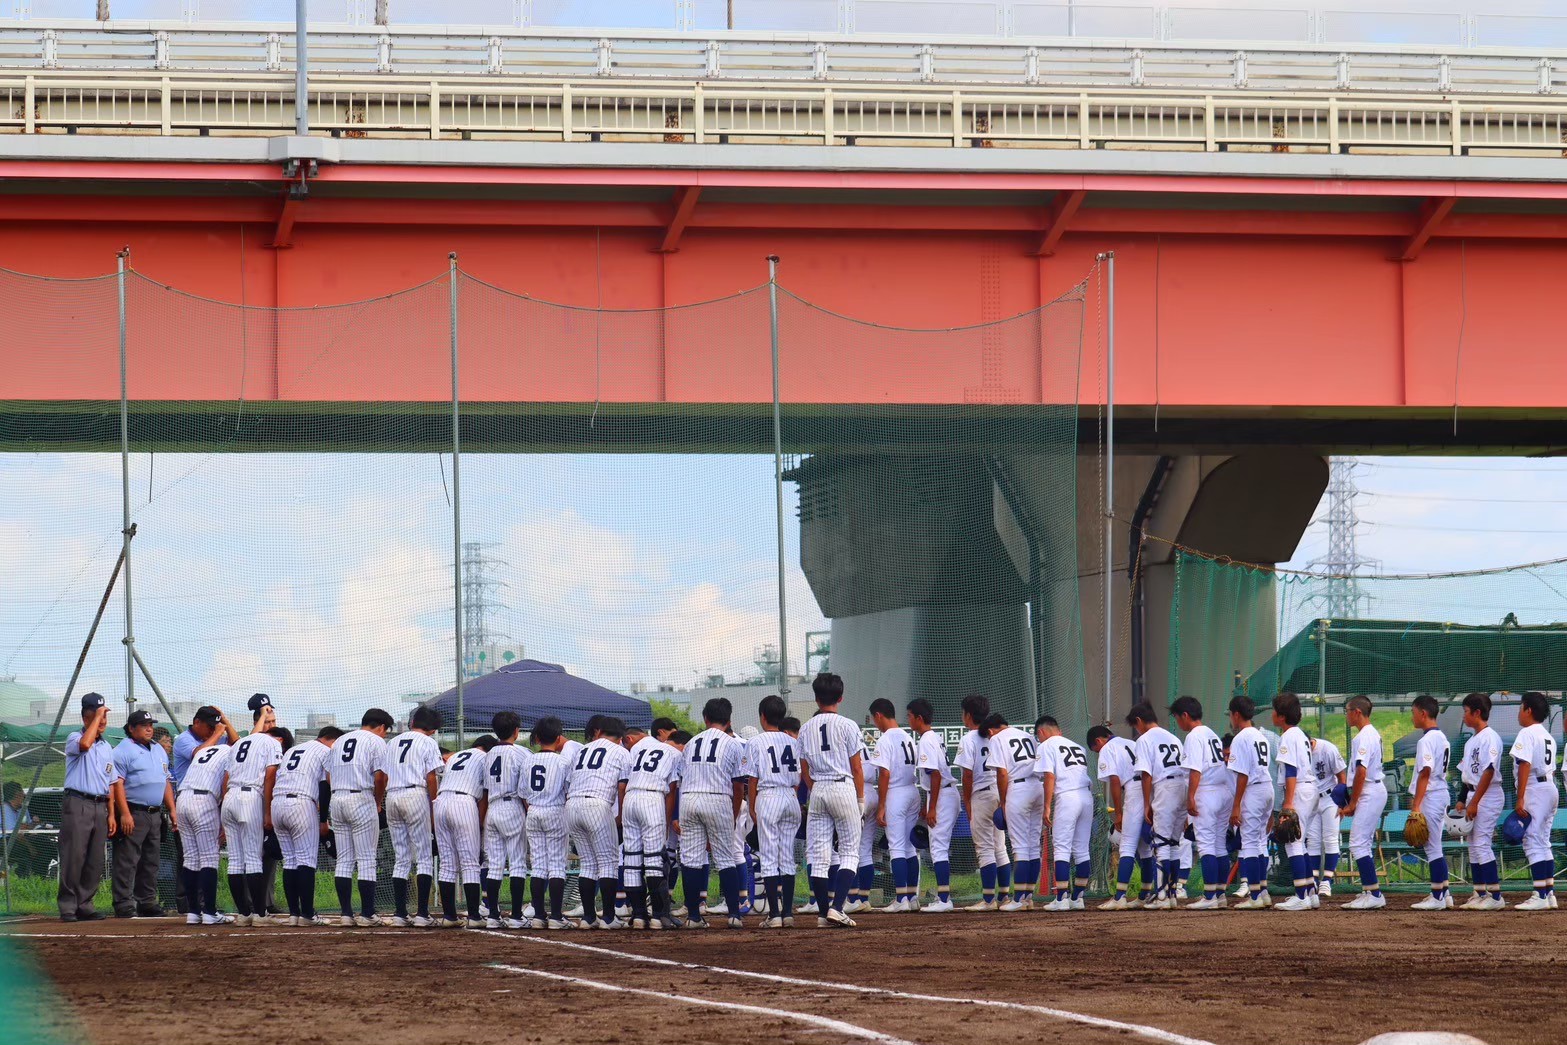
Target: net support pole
(301, 68)
(456, 507)
(125, 489)
(1322, 670)
(778, 495)
(1108, 258)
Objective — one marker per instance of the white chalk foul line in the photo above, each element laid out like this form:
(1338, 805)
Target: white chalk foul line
(1141, 1030)
(216, 932)
(823, 1022)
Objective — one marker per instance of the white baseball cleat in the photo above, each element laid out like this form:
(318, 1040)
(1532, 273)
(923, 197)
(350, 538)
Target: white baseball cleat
(1316, 899)
(1294, 903)
(1180, 892)
(896, 907)
(983, 905)
(939, 907)
(1536, 902)
(721, 907)
(1267, 898)
(193, 918)
(856, 906)
(1115, 904)
(1495, 903)
(368, 921)
(421, 921)
(788, 922)
(1242, 890)
(319, 921)
(1136, 903)
(1552, 899)
(215, 919)
(808, 907)
(1058, 906)
(836, 917)
(538, 923)
(1447, 899)
(1249, 904)
(557, 923)
(737, 923)
(1010, 906)
(1476, 902)
(695, 923)
(1079, 904)
(1207, 903)
(612, 924)
(622, 910)
(515, 923)
(492, 923)
(397, 921)
(822, 923)
(771, 923)
(678, 912)
(575, 912)
(346, 921)
(1366, 902)
(241, 921)
(1325, 888)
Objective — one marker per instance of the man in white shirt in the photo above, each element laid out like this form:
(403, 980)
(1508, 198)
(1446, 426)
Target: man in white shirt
(980, 802)
(1124, 796)
(1068, 802)
(1322, 832)
(897, 801)
(1253, 804)
(712, 781)
(651, 789)
(940, 806)
(596, 791)
(1163, 783)
(412, 778)
(832, 757)
(1534, 764)
(1482, 802)
(1432, 755)
(356, 769)
(505, 823)
(1209, 796)
(773, 769)
(1367, 801)
(296, 818)
(1299, 774)
(1012, 755)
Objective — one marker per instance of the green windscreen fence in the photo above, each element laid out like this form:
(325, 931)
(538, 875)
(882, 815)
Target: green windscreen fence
(295, 514)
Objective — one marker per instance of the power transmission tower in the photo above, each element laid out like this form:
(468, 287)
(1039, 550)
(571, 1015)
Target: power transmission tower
(1342, 565)
(479, 590)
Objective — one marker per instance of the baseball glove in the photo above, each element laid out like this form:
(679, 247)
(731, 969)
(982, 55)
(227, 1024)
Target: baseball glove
(1287, 829)
(1417, 831)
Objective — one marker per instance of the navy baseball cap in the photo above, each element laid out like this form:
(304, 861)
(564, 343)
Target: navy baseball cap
(140, 718)
(259, 701)
(208, 714)
(92, 702)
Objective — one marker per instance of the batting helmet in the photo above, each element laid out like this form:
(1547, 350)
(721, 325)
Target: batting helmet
(919, 836)
(1147, 832)
(1000, 819)
(1514, 826)
(1232, 840)
(1341, 795)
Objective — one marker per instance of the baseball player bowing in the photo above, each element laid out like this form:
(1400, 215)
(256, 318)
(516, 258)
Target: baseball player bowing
(544, 795)
(1431, 798)
(296, 818)
(1118, 770)
(1069, 812)
(356, 769)
(460, 805)
(1481, 802)
(1208, 799)
(651, 789)
(773, 762)
(832, 766)
(939, 809)
(897, 801)
(1534, 763)
(1253, 804)
(412, 779)
(596, 791)
(505, 821)
(1322, 830)
(247, 811)
(1012, 756)
(1163, 781)
(712, 781)
(980, 802)
(200, 823)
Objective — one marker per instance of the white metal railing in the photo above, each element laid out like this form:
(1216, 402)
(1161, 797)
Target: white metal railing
(502, 107)
(384, 51)
(1191, 20)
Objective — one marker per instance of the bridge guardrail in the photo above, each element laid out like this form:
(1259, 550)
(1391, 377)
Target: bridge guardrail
(178, 103)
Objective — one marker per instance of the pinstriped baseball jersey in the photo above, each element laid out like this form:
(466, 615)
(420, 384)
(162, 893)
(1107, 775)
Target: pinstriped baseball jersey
(774, 759)
(933, 759)
(895, 752)
(827, 742)
(250, 759)
(654, 766)
(714, 760)
(411, 758)
(206, 769)
(544, 786)
(974, 756)
(465, 773)
(570, 750)
(303, 769)
(355, 760)
(504, 770)
(598, 771)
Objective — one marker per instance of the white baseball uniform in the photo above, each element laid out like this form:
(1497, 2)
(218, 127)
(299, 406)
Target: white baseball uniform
(1072, 818)
(411, 758)
(1536, 746)
(989, 843)
(1481, 752)
(457, 829)
(1118, 759)
(774, 759)
(296, 817)
(1433, 752)
(896, 753)
(593, 793)
(544, 792)
(1203, 752)
(199, 796)
(505, 820)
(933, 766)
(712, 763)
(1015, 751)
(1366, 750)
(1249, 753)
(644, 822)
(828, 742)
(1295, 755)
(1322, 830)
(352, 765)
(242, 807)
(1159, 757)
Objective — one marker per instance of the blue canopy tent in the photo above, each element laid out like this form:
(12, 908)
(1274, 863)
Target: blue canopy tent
(535, 690)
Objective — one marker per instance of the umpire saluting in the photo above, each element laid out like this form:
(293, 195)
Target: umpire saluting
(144, 794)
(87, 819)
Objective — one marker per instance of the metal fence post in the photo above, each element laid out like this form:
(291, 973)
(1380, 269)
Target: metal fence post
(778, 495)
(456, 507)
(1109, 506)
(301, 68)
(125, 489)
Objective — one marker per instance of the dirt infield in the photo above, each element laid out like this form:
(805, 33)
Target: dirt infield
(1226, 978)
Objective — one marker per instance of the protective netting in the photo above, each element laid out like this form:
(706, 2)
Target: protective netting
(294, 506)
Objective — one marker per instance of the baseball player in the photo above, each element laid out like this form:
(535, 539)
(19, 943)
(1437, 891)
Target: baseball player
(651, 788)
(980, 802)
(1300, 794)
(939, 808)
(412, 779)
(1012, 754)
(596, 790)
(865, 866)
(571, 750)
(1367, 800)
(1068, 811)
(1253, 804)
(356, 769)
(1322, 833)
(712, 782)
(459, 810)
(832, 766)
(1432, 756)
(1117, 768)
(544, 795)
(1534, 762)
(505, 822)
(1208, 798)
(773, 764)
(678, 741)
(897, 802)
(199, 823)
(1163, 781)
(247, 811)
(1482, 802)
(296, 819)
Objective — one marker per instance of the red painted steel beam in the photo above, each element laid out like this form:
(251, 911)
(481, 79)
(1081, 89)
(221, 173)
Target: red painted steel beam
(283, 234)
(1432, 213)
(685, 202)
(1062, 208)
(138, 170)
